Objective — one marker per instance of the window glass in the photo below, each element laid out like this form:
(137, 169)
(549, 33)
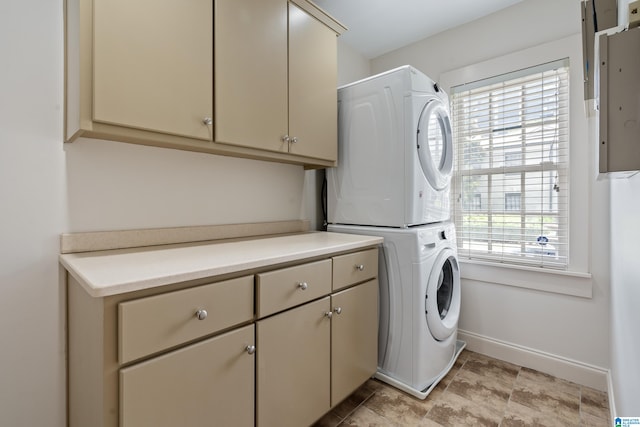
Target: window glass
(510, 186)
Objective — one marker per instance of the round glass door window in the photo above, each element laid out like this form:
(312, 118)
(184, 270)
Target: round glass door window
(444, 293)
(435, 145)
(442, 301)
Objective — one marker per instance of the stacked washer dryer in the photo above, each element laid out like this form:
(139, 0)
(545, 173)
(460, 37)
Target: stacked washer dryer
(396, 159)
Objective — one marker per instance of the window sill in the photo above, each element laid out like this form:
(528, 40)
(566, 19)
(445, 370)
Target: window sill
(554, 281)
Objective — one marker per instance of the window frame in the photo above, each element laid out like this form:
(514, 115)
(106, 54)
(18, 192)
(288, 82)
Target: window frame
(504, 124)
(577, 279)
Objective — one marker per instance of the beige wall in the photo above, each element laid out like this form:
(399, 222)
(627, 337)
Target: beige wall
(32, 214)
(352, 65)
(112, 185)
(523, 25)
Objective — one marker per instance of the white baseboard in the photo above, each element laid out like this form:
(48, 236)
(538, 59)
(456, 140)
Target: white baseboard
(558, 366)
(612, 401)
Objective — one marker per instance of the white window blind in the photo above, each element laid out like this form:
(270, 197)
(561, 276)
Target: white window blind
(510, 186)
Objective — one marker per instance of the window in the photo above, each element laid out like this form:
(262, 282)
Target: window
(477, 202)
(511, 136)
(512, 202)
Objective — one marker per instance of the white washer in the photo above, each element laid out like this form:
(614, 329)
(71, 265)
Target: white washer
(419, 304)
(395, 152)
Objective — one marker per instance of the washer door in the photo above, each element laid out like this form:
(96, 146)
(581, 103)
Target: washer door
(435, 144)
(442, 301)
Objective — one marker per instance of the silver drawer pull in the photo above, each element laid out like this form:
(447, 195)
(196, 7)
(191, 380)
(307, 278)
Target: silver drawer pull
(303, 285)
(360, 267)
(207, 121)
(337, 310)
(201, 314)
(328, 314)
(250, 349)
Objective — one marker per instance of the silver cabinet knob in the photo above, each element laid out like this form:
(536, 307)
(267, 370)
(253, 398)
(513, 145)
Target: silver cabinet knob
(328, 314)
(360, 267)
(294, 140)
(337, 310)
(285, 139)
(207, 121)
(250, 349)
(303, 285)
(201, 314)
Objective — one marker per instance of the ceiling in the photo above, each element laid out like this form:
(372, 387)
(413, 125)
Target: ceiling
(380, 26)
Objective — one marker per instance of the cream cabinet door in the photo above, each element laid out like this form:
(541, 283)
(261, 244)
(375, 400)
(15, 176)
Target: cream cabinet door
(208, 383)
(293, 366)
(251, 73)
(354, 338)
(313, 95)
(153, 65)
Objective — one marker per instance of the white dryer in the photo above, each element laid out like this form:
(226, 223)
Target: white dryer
(395, 152)
(419, 304)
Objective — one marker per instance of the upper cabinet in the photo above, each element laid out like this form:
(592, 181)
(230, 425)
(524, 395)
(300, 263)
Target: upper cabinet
(278, 93)
(152, 65)
(251, 73)
(313, 77)
(246, 78)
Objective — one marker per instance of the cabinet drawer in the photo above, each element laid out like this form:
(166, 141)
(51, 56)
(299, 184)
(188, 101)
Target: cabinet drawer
(354, 268)
(281, 289)
(151, 324)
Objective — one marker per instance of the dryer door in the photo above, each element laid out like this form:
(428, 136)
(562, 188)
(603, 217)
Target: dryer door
(435, 144)
(442, 302)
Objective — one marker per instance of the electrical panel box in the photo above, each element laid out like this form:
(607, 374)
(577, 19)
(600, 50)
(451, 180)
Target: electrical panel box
(597, 15)
(619, 103)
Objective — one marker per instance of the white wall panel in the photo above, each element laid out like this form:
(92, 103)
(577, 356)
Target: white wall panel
(625, 289)
(625, 294)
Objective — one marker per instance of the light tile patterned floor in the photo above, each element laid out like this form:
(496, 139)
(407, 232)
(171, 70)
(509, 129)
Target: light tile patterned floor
(478, 391)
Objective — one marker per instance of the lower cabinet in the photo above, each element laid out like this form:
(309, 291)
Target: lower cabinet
(208, 383)
(354, 338)
(293, 366)
(312, 357)
(275, 347)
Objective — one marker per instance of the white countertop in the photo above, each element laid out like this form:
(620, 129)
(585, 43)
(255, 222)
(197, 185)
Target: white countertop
(105, 273)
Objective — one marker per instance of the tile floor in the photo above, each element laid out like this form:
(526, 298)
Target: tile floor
(478, 391)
